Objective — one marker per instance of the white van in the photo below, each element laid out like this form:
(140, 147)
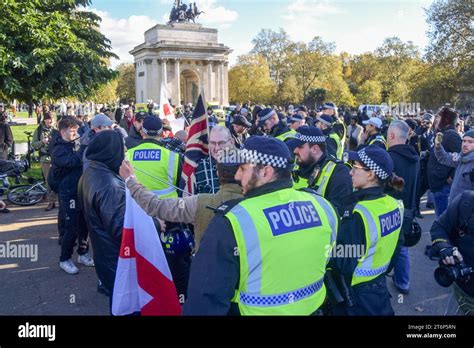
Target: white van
(374, 109)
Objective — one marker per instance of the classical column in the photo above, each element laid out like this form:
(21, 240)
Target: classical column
(177, 81)
(148, 79)
(163, 71)
(226, 82)
(209, 81)
(221, 82)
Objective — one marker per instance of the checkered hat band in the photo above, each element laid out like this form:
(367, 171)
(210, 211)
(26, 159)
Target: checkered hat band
(267, 116)
(311, 138)
(324, 121)
(152, 132)
(372, 165)
(253, 156)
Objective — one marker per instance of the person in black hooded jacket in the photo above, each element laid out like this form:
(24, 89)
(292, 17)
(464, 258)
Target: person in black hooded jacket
(406, 164)
(440, 176)
(66, 169)
(102, 194)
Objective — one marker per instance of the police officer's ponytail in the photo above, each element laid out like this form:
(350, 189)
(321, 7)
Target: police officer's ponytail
(394, 182)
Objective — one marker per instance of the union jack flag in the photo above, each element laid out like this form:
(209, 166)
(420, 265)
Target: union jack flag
(197, 146)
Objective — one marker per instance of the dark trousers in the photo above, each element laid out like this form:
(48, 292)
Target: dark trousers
(179, 267)
(422, 183)
(73, 225)
(370, 299)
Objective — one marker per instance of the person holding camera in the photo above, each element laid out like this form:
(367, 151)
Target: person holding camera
(6, 135)
(453, 243)
(41, 140)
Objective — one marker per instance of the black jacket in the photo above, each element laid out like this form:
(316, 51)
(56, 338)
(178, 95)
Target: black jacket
(102, 196)
(66, 165)
(339, 188)
(376, 142)
(279, 129)
(406, 164)
(438, 173)
(352, 232)
(330, 142)
(134, 138)
(215, 270)
(6, 136)
(455, 227)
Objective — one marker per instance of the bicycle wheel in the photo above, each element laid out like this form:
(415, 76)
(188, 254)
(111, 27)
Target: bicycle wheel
(25, 195)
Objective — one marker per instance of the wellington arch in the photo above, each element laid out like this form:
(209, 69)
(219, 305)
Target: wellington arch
(188, 58)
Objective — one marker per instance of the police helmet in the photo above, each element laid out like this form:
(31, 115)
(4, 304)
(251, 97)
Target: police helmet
(178, 242)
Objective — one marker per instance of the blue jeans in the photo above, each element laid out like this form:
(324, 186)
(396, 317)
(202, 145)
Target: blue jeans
(441, 200)
(401, 271)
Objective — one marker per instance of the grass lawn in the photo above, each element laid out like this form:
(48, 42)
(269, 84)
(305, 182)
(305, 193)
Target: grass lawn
(23, 114)
(18, 132)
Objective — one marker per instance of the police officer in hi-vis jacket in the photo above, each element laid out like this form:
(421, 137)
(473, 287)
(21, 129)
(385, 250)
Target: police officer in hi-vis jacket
(265, 254)
(370, 226)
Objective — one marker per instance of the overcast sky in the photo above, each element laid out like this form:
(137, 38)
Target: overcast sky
(356, 26)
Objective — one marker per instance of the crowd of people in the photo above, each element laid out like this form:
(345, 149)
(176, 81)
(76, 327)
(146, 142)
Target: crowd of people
(280, 194)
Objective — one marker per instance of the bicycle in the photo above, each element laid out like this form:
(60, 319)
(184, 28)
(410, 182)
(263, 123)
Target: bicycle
(23, 194)
(31, 152)
(26, 195)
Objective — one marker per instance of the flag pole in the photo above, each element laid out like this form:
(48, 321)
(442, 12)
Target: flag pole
(208, 136)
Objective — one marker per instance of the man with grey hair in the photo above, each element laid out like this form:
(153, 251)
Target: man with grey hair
(207, 180)
(406, 162)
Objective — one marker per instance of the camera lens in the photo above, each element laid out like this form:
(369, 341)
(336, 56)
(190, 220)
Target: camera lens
(444, 276)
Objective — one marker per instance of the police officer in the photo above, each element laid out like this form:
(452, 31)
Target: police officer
(265, 254)
(151, 160)
(269, 121)
(372, 135)
(453, 242)
(296, 121)
(339, 126)
(321, 172)
(334, 145)
(368, 236)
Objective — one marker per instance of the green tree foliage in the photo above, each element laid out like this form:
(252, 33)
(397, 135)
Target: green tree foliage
(450, 52)
(51, 49)
(370, 92)
(105, 93)
(250, 80)
(275, 47)
(126, 82)
(397, 64)
(393, 73)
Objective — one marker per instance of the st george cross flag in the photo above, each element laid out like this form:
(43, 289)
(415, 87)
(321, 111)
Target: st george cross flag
(166, 111)
(196, 147)
(143, 281)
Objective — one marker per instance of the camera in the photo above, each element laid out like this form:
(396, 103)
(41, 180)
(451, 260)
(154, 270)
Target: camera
(446, 275)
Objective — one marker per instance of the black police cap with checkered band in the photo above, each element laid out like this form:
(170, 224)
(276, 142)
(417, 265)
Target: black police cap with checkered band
(376, 159)
(262, 150)
(306, 135)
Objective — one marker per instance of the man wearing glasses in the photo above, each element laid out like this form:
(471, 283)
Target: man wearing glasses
(207, 180)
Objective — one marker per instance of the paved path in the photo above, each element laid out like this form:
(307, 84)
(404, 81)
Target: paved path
(41, 288)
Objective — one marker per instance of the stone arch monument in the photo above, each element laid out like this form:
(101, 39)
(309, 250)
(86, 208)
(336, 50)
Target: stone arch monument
(187, 57)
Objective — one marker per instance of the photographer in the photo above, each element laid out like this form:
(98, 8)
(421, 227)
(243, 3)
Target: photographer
(453, 242)
(6, 135)
(41, 139)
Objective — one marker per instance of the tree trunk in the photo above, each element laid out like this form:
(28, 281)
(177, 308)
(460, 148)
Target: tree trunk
(30, 109)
